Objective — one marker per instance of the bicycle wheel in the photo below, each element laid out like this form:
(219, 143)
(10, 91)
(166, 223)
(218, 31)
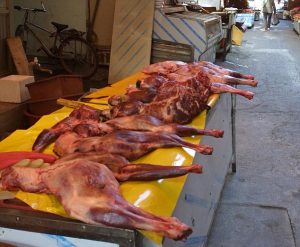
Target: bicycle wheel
(78, 57)
(20, 32)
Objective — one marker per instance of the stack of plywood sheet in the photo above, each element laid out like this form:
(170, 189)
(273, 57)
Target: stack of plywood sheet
(131, 40)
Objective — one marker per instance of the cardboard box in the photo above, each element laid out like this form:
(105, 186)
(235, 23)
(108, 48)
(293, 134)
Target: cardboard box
(13, 89)
(236, 35)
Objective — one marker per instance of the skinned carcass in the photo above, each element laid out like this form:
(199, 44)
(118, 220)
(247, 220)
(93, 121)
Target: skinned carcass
(175, 92)
(87, 127)
(89, 192)
(129, 144)
(125, 171)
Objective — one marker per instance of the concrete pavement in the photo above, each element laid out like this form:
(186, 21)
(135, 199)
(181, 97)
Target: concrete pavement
(260, 205)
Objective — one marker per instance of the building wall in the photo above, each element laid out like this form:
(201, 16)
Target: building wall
(104, 22)
(70, 12)
(4, 33)
(210, 3)
(293, 3)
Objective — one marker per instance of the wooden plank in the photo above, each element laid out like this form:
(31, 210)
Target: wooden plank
(131, 40)
(4, 11)
(4, 33)
(104, 22)
(19, 56)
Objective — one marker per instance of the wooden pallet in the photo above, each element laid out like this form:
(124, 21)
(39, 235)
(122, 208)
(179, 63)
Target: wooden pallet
(131, 40)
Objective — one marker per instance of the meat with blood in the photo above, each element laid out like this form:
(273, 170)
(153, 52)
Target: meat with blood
(124, 171)
(152, 81)
(191, 70)
(129, 144)
(215, 72)
(92, 127)
(83, 115)
(178, 96)
(89, 192)
(153, 124)
(163, 68)
(184, 94)
(224, 71)
(144, 95)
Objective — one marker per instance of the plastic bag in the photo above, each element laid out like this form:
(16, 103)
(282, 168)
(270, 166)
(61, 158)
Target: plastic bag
(275, 20)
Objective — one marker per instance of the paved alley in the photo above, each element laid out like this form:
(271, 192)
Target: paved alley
(260, 205)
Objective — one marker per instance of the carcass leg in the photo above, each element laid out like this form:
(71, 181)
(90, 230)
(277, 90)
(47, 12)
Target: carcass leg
(224, 71)
(67, 124)
(129, 144)
(49, 135)
(184, 130)
(239, 75)
(89, 192)
(123, 171)
(200, 148)
(239, 81)
(122, 214)
(150, 123)
(223, 88)
(44, 139)
(147, 172)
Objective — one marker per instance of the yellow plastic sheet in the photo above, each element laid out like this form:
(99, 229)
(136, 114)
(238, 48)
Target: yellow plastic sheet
(158, 197)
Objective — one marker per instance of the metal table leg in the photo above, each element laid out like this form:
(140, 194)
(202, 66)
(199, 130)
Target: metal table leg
(233, 115)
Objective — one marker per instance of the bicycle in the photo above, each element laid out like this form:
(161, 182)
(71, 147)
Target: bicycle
(75, 54)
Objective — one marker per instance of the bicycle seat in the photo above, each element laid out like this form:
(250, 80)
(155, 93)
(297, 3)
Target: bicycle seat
(59, 26)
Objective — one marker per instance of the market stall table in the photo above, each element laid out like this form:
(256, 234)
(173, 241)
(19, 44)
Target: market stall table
(193, 198)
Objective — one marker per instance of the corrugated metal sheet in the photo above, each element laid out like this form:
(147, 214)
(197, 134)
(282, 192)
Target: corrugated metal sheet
(166, 50)
(132, 35)
(179, 30)
(159, 3)
(202, 32)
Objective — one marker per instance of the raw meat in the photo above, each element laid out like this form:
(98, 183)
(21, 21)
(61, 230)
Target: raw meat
(153, 124)
(124, 171)
(180, 101)
(183, 93)
(163, 68)
(221, 75)
(214, 71)
(81, 115)
(89, 192)
(93, 127)
(144, 95)
(221, 88)
(129, 144)
(152, 81)
(225, 71)
(175, 92)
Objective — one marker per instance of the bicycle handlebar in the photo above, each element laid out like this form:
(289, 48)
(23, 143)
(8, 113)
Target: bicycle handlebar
(17, 7)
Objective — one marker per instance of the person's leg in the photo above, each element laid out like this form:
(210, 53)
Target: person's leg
(265, 20)
(269, 20)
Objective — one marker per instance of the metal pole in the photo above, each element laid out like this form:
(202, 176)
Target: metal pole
(233, 118)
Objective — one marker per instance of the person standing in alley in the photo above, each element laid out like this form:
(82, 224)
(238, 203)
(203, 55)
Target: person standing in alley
(268, 9)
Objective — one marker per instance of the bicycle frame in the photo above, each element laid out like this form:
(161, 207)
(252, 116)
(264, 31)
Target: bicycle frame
(44, 47)
(82, 61)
